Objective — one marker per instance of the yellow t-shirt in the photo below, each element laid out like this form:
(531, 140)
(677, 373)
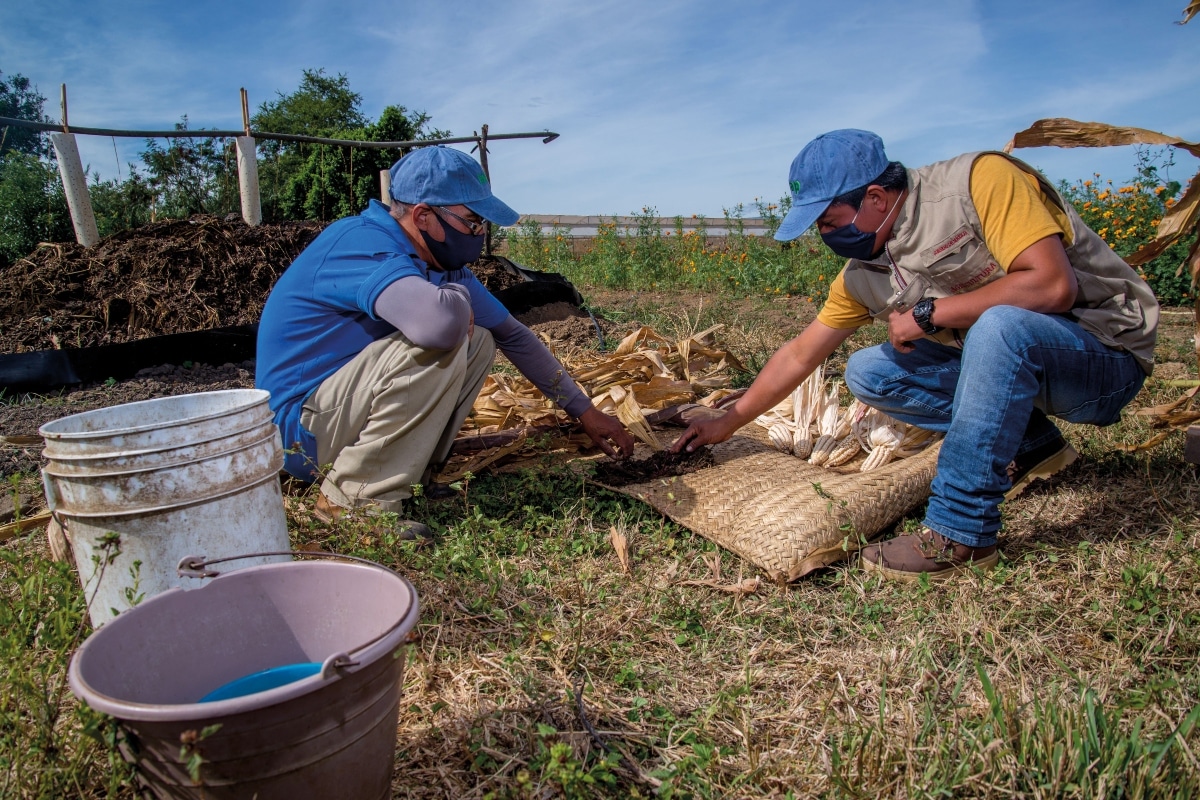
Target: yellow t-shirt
(1013, 211)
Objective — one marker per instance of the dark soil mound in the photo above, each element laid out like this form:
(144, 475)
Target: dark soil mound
(167, 277)
(659, 465)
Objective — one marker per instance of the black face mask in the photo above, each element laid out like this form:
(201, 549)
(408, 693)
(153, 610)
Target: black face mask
(457, 251)
(849, 242)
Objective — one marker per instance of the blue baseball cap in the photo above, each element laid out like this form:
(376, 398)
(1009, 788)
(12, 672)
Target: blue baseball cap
(830, 165)
(443, 176)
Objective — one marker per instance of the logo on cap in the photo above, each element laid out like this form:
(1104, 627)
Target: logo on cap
(795, 186)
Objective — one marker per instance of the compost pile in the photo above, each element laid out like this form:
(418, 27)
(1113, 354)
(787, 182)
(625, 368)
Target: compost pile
(174, 276)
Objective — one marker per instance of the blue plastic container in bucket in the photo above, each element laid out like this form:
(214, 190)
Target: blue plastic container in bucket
(328, 636)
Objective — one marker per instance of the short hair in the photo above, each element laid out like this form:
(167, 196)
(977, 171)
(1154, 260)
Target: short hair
(894, 176)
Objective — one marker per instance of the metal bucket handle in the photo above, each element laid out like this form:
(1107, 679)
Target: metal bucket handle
(197, 567)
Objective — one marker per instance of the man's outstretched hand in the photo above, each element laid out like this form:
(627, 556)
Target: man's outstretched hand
(608, 433)
(705, 431)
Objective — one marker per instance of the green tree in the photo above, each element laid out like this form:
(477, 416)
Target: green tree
(298, 180)
(121, 205)
(33, 207)
(190, 176)
(19, 100)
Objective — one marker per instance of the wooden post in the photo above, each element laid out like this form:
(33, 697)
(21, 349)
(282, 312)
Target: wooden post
(385, 186)
(83, 220)
(487, 236)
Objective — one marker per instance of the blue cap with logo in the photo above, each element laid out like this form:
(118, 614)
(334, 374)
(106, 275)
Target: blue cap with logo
(830, 165)
(443, 176)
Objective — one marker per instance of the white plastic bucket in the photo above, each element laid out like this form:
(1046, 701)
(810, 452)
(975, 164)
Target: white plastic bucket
(139, 486)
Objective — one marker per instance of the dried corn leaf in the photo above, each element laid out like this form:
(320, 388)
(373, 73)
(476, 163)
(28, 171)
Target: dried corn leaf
(684, 347)
(742, 588)
(661, 392)
(632, 418)
(1193, 8)
(621, 545)
(641, 336)
(1062, 132)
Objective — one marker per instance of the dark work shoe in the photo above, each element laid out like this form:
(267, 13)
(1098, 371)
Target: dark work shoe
(411, 531)
(1040, 462)
(909, 556)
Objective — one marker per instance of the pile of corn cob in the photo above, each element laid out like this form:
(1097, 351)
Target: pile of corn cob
(841, 433)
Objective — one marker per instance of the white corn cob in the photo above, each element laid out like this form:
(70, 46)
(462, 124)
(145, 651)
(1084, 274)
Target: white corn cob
(780, 435)
(802, 442)
(845, 450)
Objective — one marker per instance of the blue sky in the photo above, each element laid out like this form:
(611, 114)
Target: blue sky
(688, 107)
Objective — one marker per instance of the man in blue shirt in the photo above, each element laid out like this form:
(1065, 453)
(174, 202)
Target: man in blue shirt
(375, 342)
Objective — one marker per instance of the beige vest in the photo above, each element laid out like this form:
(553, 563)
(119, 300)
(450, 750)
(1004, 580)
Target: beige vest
(937, 250)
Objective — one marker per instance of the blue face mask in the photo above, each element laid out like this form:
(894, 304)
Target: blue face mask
(457, 251)
(849, 242)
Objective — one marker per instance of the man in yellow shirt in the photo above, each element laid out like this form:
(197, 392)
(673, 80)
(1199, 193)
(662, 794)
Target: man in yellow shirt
(1003, 310)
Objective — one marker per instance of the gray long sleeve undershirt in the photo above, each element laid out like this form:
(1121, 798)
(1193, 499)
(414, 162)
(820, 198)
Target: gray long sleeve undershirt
(437, 318)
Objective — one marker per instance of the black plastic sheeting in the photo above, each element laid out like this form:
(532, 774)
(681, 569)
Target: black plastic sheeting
(48, 370)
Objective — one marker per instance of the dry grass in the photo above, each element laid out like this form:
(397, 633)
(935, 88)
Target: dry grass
(542, 668)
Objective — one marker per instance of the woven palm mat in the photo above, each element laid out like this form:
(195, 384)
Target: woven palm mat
(782, 514)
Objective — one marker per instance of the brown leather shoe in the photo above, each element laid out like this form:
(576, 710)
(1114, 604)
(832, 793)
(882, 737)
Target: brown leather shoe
(406, 529)
(909, 556)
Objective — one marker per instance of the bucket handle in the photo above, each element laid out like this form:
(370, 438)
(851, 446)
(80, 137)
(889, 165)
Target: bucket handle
(197, 567)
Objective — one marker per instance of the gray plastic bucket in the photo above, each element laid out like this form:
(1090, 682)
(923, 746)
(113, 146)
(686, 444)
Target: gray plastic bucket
(329, 735)
(140, 485)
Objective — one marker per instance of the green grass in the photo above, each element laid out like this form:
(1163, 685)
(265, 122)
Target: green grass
(540, 668)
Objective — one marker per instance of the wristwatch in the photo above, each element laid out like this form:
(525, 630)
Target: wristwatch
(922, 313)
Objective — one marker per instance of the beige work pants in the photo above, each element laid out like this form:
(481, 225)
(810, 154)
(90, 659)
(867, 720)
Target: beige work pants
(390, 413)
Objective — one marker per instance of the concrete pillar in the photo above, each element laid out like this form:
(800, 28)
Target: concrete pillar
(75, 186)
(247, 161)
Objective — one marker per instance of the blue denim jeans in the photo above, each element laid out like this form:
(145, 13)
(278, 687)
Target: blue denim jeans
(992, 399)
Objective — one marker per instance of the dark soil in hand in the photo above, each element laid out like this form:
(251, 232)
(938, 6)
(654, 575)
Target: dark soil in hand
(659, 465)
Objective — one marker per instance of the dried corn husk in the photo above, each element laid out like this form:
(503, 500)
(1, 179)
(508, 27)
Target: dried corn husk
(915, 440)
(780, 435)
(879, 435)
(804, 406)
(826, 414)
(780, 413)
